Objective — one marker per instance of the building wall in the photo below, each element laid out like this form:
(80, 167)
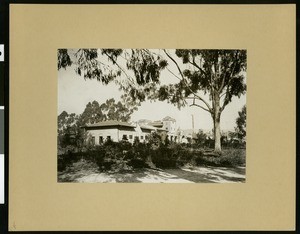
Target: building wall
(130, 135)
(115, 134)
(169, 126)
(142, 134)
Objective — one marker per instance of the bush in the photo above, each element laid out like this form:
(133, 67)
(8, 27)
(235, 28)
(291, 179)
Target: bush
(137, 163)
(61, 163)
(137, 155)
(163, 157)
(229, 158)
(118, 156)
(233, 157)
(67, 159)
(174, 156)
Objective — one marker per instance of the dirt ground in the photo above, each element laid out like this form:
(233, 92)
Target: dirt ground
(87, 172)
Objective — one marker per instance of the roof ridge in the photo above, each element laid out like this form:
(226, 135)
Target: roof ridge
(110, 123)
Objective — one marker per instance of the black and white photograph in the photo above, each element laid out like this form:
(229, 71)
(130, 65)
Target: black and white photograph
(151, 115)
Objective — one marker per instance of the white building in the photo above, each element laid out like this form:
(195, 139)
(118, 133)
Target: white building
(167, 127)
(169, 124)
(117, 131)
(113, 130)
(143, 131)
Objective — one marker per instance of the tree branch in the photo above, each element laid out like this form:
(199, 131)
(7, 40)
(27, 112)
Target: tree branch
(194, 104)
(192, 98)
(201, 70)
(197, 66)
(115, 62)
(173, 60)
(173, 73)
(223, 82)
(222, 94)
(226, 101)
(231, 75)
(200, 98)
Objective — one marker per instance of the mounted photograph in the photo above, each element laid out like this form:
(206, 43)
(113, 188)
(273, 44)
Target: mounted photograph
(151, 115)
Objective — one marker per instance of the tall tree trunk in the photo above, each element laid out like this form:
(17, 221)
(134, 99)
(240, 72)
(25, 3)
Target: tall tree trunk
(216, 119)
(217, 134)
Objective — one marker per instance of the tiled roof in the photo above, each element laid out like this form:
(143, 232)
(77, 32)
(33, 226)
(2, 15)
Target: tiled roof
(110, 123)
(147, 127)
(162, 130)
(168, 118)
(156, 123)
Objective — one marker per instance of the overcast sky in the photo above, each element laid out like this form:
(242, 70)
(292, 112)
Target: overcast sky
(74, 93)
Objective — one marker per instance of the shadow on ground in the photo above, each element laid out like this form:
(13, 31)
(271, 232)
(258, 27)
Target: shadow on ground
(87, 172)
(211, 174)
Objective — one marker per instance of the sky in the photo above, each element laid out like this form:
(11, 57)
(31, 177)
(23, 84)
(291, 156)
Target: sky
(74, 92)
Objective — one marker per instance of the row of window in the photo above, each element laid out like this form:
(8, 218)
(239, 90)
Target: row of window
(131, 136)
(101, 139)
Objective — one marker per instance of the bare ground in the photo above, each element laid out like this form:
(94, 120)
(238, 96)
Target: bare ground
(87, 172)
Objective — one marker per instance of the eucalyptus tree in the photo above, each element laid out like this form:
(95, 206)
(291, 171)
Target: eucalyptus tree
(206, 79)
(109, 110)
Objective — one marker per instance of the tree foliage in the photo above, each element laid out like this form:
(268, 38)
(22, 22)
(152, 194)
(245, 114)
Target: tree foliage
(215, 72)
(70, 131)
(63, 59)
(210, 71)
(240, 128)
(201, 138)
(207, 79)
(110, 110)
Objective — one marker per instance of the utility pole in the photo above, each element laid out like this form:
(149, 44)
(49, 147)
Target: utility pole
(193, 123)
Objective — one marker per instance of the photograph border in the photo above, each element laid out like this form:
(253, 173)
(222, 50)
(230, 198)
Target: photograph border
(7, 119)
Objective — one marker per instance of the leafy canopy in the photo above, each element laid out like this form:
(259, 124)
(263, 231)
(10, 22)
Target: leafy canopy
(241, 124)
(139, 72)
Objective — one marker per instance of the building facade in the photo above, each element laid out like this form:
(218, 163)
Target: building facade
(118, 131)
(111, 130)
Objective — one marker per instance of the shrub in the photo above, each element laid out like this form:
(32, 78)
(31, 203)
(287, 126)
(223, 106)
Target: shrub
(61, 163)
(174, 156)
(163, 157)
(114, 156)
(67, 159)
(154, 140)
(118, 156)
(233, 157)
(96, 155)
(137, 163)
(229, 158)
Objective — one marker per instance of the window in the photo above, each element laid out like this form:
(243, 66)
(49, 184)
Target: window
(100, 139)
(130, 136)
(93, 140)
(124, 137)
(108, 138)
(142, 137)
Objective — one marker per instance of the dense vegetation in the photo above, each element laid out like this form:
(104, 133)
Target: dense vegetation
(118, 156)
